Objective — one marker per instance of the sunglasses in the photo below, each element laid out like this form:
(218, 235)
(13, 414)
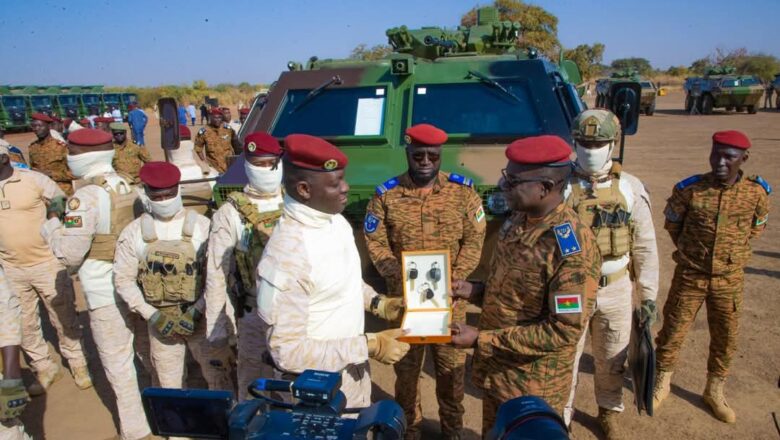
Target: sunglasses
(419, 156)
(512, 182)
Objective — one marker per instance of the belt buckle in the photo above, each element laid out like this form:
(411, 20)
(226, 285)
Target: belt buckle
(603, 281)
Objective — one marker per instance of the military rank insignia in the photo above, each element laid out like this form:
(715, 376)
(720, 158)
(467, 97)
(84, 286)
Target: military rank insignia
(73, 221)
(567, 239)
(74, 203)
(370, 223)
(568, 304)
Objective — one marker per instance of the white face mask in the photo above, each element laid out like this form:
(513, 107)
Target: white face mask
(594, 160)
(165, 209)
(94, 162)
(264, 179)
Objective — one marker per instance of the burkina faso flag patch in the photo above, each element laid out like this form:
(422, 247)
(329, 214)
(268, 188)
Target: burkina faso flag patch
(568, 304)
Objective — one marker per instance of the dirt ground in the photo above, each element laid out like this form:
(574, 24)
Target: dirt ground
(669, 147)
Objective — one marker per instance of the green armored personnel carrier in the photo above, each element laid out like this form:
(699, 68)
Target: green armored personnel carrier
(649, 91)
(721, 87)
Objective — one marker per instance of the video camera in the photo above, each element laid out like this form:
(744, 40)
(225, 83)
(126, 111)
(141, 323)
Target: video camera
(528, 418)
(316, 415)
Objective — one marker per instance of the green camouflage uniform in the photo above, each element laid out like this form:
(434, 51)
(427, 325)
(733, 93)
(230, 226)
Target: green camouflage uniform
(402, 218)
(217, 143)
(539, 296)
(129, 158)
(711, 225)
(48, 156)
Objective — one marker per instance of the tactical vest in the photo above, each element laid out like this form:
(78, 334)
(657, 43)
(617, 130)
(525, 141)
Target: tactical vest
(605, 210)
(253, 238)
(170, 271)
(122, 213)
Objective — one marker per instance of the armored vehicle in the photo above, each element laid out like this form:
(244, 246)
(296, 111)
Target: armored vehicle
(70, 106)
(649, 91)
(721, 87)
(13, 112)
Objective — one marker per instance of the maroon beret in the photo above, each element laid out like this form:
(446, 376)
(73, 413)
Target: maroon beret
(160, 174)
(539, 150)
(261, 143)
(67, 121)
(184, 132)
(131, 107)
(425, 134)
(225, 109)
(85, 122)
(42, 117)
(104, 119)
(91, 138)
(216, 111)
(313, 153)
(731, 138)
(244, 111)
(55, 118)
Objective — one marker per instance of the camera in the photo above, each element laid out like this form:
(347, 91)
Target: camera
(528, 418)
(319, 412)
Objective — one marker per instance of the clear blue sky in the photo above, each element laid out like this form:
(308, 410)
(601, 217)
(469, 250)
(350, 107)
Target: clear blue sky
(153, 42)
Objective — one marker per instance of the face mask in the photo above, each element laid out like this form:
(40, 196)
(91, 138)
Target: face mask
(594, 160)
(264, 179)
(90, 163)
(165, 209)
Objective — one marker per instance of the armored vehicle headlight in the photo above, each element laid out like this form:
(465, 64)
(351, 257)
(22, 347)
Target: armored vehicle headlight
(496, 203)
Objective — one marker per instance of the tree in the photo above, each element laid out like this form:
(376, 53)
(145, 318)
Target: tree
(677, 71)
(641, 65)
(587, 58)
(362, 52)
(538, 27)
(699, 66)
(199, 84)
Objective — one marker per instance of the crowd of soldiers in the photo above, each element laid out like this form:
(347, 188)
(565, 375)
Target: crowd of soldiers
(271, 285)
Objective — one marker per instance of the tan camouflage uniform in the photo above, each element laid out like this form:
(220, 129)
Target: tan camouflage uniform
(712, 225)
(227, 295)
(449, 217)
(48, 157)
(129, 158)
(526, 345)
(217, 144)
(10, 335)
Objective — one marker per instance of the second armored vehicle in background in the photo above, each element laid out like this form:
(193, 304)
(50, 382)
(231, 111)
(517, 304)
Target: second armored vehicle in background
(721, 87)
(649, 91)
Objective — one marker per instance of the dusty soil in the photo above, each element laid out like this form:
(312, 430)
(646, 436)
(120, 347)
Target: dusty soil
(668, 147)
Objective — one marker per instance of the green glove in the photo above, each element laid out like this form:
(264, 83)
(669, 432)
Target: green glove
(187, 321)
(13, 398)
(648, 312)
(56, 206)
(163, 323)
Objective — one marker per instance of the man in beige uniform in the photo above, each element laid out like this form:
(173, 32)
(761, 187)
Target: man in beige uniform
(102, 204)
(240, 230)
(310, 291)
(35, 274)
(158, 271)
(13, 396)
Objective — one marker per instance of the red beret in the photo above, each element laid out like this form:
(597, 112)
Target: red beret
(216, 111)
(160, 174)
(425, 134)
(67, 121)
(84, 122)
(313, 153)
(731, 138)
(244, 111)
(184, 132)
(261, 143)
(91, 138)
(225, 109)
(42, 117)
(539, 150)
(55, 118)
(130, 107)
(104, 119)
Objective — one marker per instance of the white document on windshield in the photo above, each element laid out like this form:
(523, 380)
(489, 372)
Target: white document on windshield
(368, 121)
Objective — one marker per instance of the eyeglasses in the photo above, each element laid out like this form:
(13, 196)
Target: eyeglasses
(512, 182)
(419, 156)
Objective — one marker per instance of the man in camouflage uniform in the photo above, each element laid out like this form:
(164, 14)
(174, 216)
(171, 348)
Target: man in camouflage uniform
(541, 289)
(427, 209)
(711, 218)
(227, 117)
(240, 230)
(128, 157)
(310, 292)
(216, 142)
(47, 155)
(13, 396)
(617, 208)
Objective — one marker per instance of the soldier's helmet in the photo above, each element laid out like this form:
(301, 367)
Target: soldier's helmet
(596, 125)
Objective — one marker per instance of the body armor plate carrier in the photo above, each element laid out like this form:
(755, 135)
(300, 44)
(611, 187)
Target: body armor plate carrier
(123, 209)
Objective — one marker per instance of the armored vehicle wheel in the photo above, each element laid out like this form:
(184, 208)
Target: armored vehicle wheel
(650, 109)
(777, 103)
(688, 103)
(752, 109)
(706, 105)
(728, 109)
(740, 109)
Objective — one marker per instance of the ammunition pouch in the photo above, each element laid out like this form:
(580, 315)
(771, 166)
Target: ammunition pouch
(122, 211)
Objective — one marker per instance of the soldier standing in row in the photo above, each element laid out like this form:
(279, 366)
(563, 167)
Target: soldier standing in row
(128, 157)
(104, 123)
(47, 155)
(427, 209)
(13, 396)
(240, 230)
(541, 289)
(711, 219)
(617, 208)
(216, 142)
(158, 270)
(227, 116)
(55, 129)
(242, 115)
(101, 206)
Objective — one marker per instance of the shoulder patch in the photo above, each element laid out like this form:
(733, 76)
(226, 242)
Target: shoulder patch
(387, 186)
(681, 185)
(567, 239)
(764, 184)
(568, 304)
(202, 131)
(370, 223)
(73, 221)
(461, 180)
(74, 203)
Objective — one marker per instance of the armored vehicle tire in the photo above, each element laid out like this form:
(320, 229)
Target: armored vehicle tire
(739, 109)
(706, 105)
(752, 109)
(728, 109)
(650, 109)
(688, 103)
(777, 103)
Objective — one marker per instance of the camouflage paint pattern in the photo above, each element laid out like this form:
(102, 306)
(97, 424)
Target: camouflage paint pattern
(48, 156)
(129, 158)
(216, 144)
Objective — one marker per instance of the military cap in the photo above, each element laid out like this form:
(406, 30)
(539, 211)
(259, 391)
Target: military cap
(313, 153)
(91, 138)
(261, 143)
(216, 111)
(731, 138)
(159, 175)
(55, 118)
(540, 150)
(104, 119)
(425, 134)
(41, 117)
(244, 111)
(596, 125)
(224, 109)
(131, 107)
(84, 122)
(184, 132)
(117, 126)
(67, 121)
